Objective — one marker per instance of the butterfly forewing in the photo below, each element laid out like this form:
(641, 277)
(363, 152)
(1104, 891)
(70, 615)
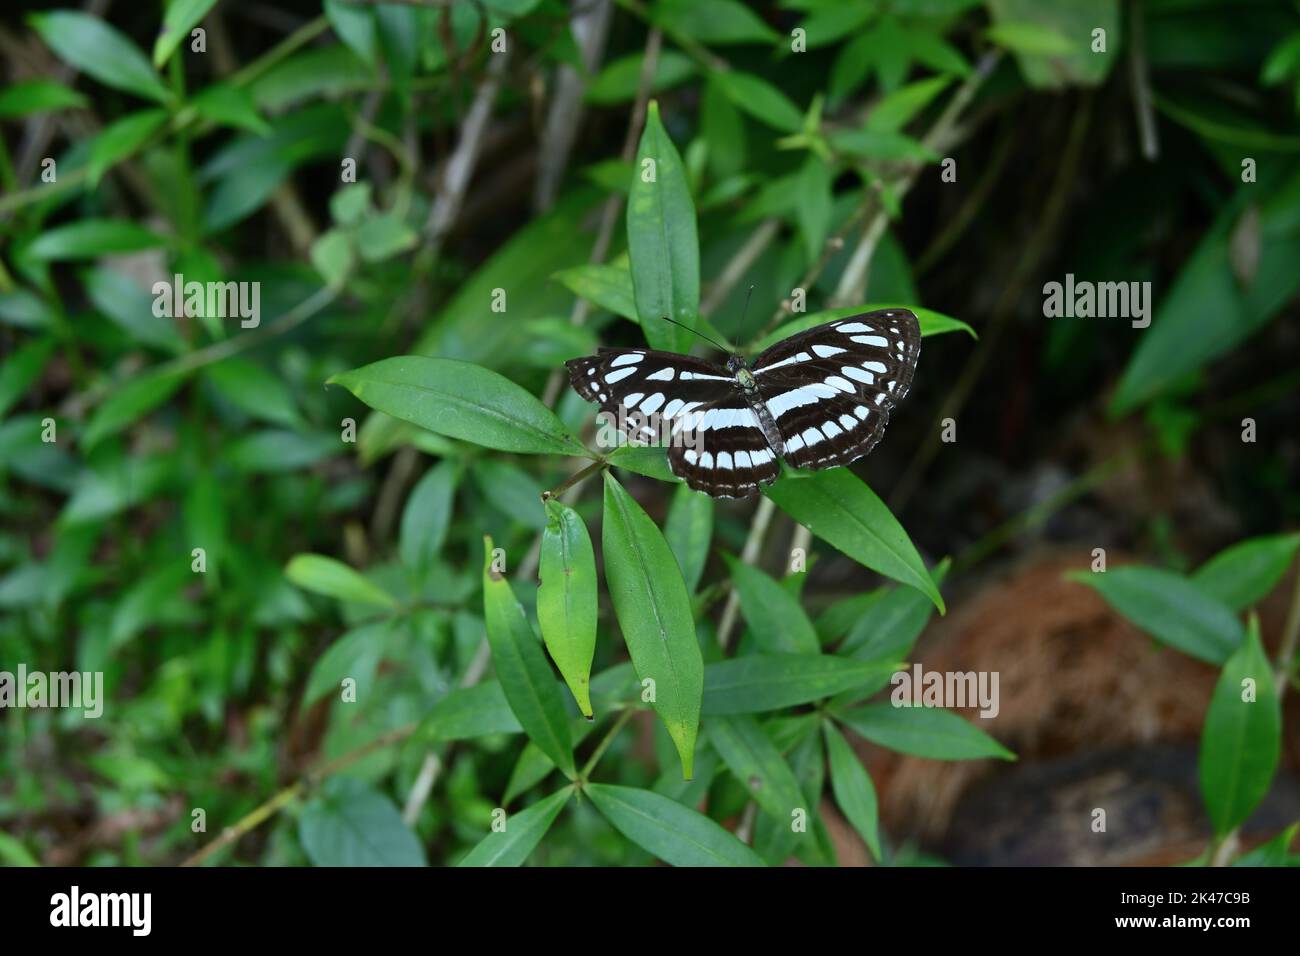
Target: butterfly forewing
(831, 388)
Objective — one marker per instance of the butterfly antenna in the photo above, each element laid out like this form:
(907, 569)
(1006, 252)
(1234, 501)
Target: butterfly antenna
(693, 332)
(744, 312)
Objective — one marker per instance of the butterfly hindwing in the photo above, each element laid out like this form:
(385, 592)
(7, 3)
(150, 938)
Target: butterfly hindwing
(831, 388)
(726, 455)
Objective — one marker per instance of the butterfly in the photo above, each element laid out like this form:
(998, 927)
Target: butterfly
(818, 399)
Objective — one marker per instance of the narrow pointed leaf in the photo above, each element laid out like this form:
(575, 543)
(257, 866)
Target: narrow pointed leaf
(521, 667)
(754, 760)
(762, 682)
(924, 731)
(524, 830)
(842, 510)
(1242, 739)
(654, 613)
(853, 789)
(675, 834)
(661, 239)
(566, 598)
(461, 400)
(778, 623)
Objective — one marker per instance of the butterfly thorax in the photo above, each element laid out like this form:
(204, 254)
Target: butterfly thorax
(749, 387)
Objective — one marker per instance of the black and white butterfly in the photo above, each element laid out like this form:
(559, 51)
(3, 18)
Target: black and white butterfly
(818, 399)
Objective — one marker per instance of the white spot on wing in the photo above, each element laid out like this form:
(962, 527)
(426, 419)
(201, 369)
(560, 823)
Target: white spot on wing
(826, 351)
(858, 375)
(850, 327)
(651, 404)
(812, 436)
(618, 376)
(724, 460)
(631, 358)
(879, 341)
(836, 382)
(663, 375)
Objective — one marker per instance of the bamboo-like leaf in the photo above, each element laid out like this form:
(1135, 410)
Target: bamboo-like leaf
(566, 598)
(762, 682)
(924, 731)
(675, 834)
(1242, 740)
(661, 239)
(521, 667)
(654, 613)
(523, 831)
(853, 789)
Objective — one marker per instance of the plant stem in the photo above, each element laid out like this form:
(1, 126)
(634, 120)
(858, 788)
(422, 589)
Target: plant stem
(605, 741)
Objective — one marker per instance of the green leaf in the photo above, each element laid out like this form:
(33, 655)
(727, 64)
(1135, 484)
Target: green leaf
(1025, 37)
(462, 401)
(842, 510)
(21, 368)
(1170, 608)
(661, 239)
(99, 50)
(130, 306)
(132, 401)
(1209, 310)
(654, 612)
(761, 100)
(334, 257)
(511, 846)
(762, 682)
(468, 712)
(1244, 573)
(1053, 42)
(383, 236)
(894, 111)
(350, 824)
(38, 96)
(619, 80)
(755, 762)
(888, 629)
(853, 789)
(92, 238)
(777, 621)
(324, 575)
(181, 17)
(882, 145)
(923, 731)
(521, 667)
(671, 832)
(566, 598)
(713, 22)
(648, 460)
(228, 105)
(609, 287)
(814, 204)
(524, 265)
(254, 390)
(427, 516)
(689, 531)
(1276, 851)
(355, 655)
(14, 853)
(1242, 739)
